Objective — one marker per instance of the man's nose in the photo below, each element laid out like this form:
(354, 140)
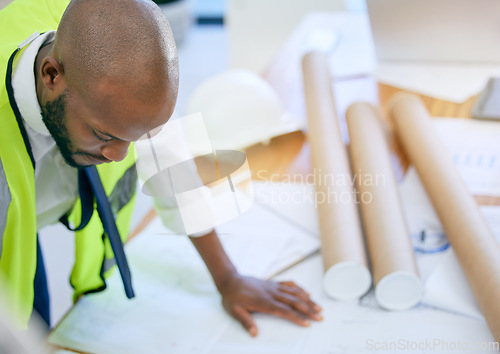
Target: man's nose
(115, 150)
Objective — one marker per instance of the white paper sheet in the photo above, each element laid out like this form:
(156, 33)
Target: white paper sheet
(350, 328)
(267, 238)
(351, 55)
(450, 82)
(447, 287)
(294, 204)
(177, 308)
(474, 146)
(420, 213)
(293, 201)
(475, 149)
(262, 242)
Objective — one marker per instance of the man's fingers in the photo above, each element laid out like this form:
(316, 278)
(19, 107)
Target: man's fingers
(292, 289)
(300, 305)
(287, 312)
(245, 318)
(291, 284)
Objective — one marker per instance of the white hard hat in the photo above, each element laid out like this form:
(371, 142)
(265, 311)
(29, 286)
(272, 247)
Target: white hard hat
(239, 109)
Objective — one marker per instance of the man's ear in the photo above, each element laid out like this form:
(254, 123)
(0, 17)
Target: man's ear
(52, 72)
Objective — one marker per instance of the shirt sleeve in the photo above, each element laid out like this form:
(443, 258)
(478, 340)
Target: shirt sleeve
(168, 173)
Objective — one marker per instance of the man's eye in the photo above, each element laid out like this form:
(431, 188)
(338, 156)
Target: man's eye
(100, 137)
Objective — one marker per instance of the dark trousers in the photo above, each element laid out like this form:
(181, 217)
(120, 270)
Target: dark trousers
(41, 303)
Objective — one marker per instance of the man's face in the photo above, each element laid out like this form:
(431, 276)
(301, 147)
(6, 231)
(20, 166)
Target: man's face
(54, 117)
(102, 133)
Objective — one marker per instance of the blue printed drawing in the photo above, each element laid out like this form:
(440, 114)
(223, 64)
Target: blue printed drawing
(427, 242)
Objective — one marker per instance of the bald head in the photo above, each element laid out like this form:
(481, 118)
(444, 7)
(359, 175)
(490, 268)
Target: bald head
(126, 43)
(110, 77)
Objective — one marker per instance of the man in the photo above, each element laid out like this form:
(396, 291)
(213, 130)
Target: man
(76, 98)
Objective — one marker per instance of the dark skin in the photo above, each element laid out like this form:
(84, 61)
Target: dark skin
(101, 131)
(243, 295)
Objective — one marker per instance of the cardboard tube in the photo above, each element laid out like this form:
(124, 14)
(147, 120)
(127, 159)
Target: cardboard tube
(346, 274)
(398, 286)
(477, 250)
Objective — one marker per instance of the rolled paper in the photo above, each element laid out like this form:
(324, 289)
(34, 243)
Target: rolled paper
(477, 250)
(344, 257)
(395, 274)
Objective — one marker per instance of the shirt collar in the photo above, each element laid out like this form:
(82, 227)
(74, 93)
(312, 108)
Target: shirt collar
(23, 83)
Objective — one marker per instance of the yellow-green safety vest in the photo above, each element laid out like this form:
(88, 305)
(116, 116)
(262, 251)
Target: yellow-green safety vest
(93, 254)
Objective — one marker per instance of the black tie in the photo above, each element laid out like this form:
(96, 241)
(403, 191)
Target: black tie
(90, 186)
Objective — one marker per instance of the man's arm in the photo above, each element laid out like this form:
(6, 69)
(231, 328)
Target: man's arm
(243, 295)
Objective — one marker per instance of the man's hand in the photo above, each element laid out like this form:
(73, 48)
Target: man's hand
(243, 295)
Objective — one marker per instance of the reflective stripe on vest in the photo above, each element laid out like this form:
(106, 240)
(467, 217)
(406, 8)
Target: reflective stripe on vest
(5, 199)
